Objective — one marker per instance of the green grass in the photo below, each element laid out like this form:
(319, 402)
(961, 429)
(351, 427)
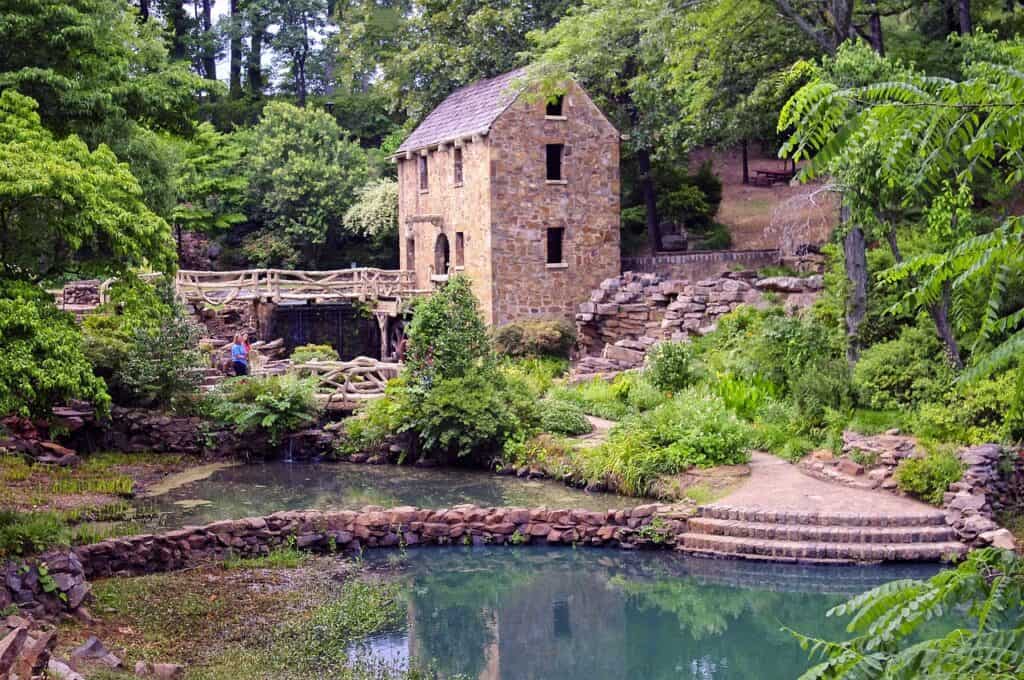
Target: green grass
(283, 557)
(867, 421)
(700, 494)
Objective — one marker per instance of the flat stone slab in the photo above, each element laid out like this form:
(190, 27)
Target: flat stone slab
(777, 485)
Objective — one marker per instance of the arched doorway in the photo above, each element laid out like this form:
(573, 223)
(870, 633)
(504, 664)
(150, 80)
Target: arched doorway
(442, 255)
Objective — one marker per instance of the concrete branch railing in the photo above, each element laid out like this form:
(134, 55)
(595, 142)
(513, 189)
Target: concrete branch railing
(277, 285)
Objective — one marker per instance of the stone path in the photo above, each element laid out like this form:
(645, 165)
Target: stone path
(598, 435)
(781, 514)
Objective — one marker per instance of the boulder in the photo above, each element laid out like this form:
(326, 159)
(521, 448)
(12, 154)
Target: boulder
(999, 538)
(10, 649)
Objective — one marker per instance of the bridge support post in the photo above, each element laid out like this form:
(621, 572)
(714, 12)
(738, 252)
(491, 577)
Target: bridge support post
(383, 322)
(263, 312)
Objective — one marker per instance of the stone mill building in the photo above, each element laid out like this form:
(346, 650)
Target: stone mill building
(518, 193)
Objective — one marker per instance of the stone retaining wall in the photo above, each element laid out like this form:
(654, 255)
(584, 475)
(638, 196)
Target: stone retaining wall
(44, 586)
(993, 481)
(373, 527)
(700, 264)
(631, 313)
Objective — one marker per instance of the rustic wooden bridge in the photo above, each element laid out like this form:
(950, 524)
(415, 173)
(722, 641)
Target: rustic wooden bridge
(286, 285)
(340, 384)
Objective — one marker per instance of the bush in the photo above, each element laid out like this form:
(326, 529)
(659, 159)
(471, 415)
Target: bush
(42, 362)
(25, 533)
(468, 416)
(539, 373)
(695, 429)
(902, 373)
(275, 405)
(535, 338)
(563, 417)
(306, 353)
(447, 337)
(627, 393)
(672, 366)
(163, 365)
(990, 410)
(929, 478)
(822, 386)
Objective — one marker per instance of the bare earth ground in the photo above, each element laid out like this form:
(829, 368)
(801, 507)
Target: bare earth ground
(768, 217)
(775, 484)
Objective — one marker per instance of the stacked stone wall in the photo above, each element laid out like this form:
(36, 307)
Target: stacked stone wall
(629, 314)
(992, 483)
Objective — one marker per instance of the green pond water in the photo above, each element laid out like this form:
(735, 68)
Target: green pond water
(588, 614)
(261, 489)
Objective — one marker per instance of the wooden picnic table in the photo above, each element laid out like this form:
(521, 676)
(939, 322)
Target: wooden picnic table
(770, 177)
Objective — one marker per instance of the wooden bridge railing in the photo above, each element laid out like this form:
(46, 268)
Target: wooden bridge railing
(276, 285)
(347, 381)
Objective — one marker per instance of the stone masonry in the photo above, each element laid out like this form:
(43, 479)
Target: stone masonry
(629, 314)
(493, 221)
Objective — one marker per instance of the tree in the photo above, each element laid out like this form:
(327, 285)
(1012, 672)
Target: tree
(41, 359)
(211, 190)
(298, 22)
(303, 172)
(375, 211)
(889, 624)
(65, 208)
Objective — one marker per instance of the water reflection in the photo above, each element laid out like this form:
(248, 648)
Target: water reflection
(260, 489)
(531, 614)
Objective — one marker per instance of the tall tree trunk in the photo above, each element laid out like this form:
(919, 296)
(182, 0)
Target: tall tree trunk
(179, 27)
(143, 11)
(255, 67)
(875, 29)
(209, 43)
(938, 311)
(235, 71)
(643, 158)
(855, 258)
(964, 17)
(746, 162)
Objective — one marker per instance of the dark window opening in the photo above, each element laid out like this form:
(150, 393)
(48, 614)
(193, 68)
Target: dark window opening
(423, 173)
(410, 254)
(458, 166)
(442, 256)
(460, 249)
(554, 108)
(556, 235)
(555, 161)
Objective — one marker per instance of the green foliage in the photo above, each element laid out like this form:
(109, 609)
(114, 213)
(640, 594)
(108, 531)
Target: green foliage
(63, 206)
(274, 405)
(306, 353)
(539, 373)
(889, 626)
(303, 172)
(672, 366)
(929, 478)
(535, 338)
(375, 211)
(42, 363)
(563, 417)
(211, 187)
(447, 336)
(26, 533)
(694, 429)
(285, 556)
(902, 373)
(988, 410)
(627, 393)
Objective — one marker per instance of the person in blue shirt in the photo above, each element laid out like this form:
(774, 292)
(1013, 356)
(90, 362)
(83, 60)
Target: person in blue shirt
(240, 356)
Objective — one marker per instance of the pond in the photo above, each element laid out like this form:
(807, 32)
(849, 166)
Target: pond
(588, 614)
(262, 489)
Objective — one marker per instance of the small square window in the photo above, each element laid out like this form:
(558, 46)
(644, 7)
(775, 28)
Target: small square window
(460, 249)
(423, 173)
(555, 152)
(554, 106)
(457, 156)
(556, 235)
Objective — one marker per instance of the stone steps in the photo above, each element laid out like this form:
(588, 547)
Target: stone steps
(803, 551)
(720, 511)
(721, 530)
(820, 533)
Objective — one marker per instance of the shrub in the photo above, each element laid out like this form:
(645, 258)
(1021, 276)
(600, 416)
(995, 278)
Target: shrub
(306, 353)
(163, 365)
(990, 410)
(614, 400)
(695, 429)
(535, 338)
(539, 373)
(447, 336)
(672, 366)
(820, 386)
(42, 363)
(745, 397)
(472, 415)
(563, 417)
(24, 533)
(274, 405)
(903, 372)
(929, 478)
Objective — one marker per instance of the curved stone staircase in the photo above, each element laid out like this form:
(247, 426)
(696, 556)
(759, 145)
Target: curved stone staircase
(723, 530)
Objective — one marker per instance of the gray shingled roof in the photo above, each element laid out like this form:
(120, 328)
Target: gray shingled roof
(468, 110)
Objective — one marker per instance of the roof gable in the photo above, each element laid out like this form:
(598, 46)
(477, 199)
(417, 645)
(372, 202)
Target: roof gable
(469, 110)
